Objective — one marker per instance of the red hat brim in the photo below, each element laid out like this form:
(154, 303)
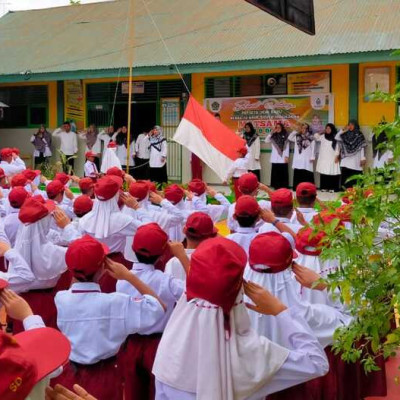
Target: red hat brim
(49, 347)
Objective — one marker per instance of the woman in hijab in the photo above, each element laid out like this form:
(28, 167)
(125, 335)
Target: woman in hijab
(158, 156)
(279, 156)
(121, 139)
(253, 146)
(328, 161)
(381, 155)
(352, 152)
(304, 155)
(93, 142)
(41, 141)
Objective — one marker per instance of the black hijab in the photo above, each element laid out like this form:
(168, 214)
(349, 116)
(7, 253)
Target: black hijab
(251, 136)
(352, 141)
(332, 136)
(279, 139)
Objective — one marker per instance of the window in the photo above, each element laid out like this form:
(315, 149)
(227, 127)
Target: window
(27, 106)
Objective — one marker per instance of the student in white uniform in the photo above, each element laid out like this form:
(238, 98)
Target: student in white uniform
(306, 196)
(121, 139)
(254, 148)
(304, 155)
(86, 185)
(209, 343)
(280, 147)
(381, 155)
(238, 168)
(92, 141)
(90, 168)
(142, 148)
(69, 142)
(11, 163)
(149, 244)
(158, 156)
(110, 159)
(352, 152)
(328, 161)
(96, 323)
(63, 197)
(199, 227)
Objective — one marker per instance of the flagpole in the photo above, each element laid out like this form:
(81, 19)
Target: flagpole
(131, 57)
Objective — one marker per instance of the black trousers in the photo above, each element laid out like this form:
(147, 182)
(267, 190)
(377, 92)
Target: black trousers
(279, 175)
(329, 182)
(348, 173)
(159, 175)
(41, 159)
(257, 173)
(302, 175)
(141, 168)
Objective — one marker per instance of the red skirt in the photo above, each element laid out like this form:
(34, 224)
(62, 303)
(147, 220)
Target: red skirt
(136, 361)
(102, 380)
(3, 265)
(238, 193)
(108, 283)
(42, 303)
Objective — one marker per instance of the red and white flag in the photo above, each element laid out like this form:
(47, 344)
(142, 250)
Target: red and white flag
(208, 138)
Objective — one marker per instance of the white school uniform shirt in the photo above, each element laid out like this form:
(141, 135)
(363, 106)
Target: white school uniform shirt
(142, 146)
(91, 169)
(13, 168)
(308, 214)
(353, 161)
(267, 227)
(175, 268)
(243, 237)
(305, 159)
(167, 288)
(326, 159)
(47, 151)
(97, 324)
(233, 224)
(239, 167)
(254, 155)
(385, 157)
(306, 360)
(215, 211)
(11, 225)
(97, 144)
(157, 156)
(275, 157)
(69, 142)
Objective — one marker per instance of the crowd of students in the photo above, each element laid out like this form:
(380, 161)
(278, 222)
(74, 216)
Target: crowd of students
(131, 293)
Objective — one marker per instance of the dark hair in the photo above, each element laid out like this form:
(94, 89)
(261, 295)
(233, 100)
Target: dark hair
(193, 237)
(67, 123)
(252, 129)
(246, 221)
(53, 197)
(306, 200)
(282, 126)
(80, 215)
(146, 259)
(81, 277)
(86, 191)
(281, 211)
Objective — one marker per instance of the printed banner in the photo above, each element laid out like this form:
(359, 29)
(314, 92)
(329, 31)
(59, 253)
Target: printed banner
(74, 102)
(170, 111)
(309, 82)
(266, 111)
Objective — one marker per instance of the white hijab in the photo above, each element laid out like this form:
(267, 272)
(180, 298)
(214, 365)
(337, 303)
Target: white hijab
(196, 356)
(46, 260)
(110, 160)
(105, 219)
(322, 319)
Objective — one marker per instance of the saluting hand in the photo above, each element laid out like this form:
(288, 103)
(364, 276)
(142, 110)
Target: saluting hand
(116, 270)
(16, 307)
(62, 393)
(61, 218)
(307, 277)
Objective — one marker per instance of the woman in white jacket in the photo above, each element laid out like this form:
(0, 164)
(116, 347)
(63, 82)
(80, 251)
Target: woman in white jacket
(253, 147)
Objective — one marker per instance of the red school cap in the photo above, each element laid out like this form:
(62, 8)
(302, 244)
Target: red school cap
(309, 243)
(17, 196)
(6, 152)
(200, 226)
(243, 151)
(62, 177)
(34, 210)
(91, 154)
(18, 180)
(281, 198)
(139, 190)
(197, 186)
(248, 183)
(31, 174)
(174, 193)
(247, 206)
(150, 240)
(86, 183)
(115, 171)
(82, 205)
(107, 187)
(54, 188)
(306, 189)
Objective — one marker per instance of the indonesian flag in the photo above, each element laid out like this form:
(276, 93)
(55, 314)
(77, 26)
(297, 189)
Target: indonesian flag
(208, 138)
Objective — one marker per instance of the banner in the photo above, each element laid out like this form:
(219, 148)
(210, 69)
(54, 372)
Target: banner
(265, 112)
(74, 102)
(309, 82)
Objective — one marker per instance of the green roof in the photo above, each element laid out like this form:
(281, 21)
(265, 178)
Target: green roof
(93, 36)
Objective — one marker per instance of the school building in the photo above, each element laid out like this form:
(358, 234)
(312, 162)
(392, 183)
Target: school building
(72, 63)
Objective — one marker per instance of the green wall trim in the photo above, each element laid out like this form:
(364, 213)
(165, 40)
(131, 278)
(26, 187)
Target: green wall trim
(60, 103)
(353, 91)
(282, 62)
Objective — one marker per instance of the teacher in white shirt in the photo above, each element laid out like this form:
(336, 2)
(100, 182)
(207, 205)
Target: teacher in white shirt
(69, 142)
(142, 147)
(254, 148)
(158, 156)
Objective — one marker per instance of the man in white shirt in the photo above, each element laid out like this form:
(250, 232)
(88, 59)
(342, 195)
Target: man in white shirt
(142, 147)
(69, 142)
(11, 163)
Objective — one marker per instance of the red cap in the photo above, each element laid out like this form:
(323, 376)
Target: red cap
(200, 226)
(31, 174)
(27, 358)
(85, 256)
(174, 193)
(17, 196)
(82, 205)
(273, 250)
(247, 206)
(107, 187)
(91, 154)
(16, 151)
(248, 183)
(54, 188)
(3, 284)
(197, 186)
(216, 272)
(149, 240)
(62, 177)
(152, 186)
(115, 171)
(281, 198)
(306, 189)
(2, 173)
(243, 151)
(112, 145)
(86, 184)
(6, 152)
(18, 180)
(34, 210)
(139, 190)
(309, 243)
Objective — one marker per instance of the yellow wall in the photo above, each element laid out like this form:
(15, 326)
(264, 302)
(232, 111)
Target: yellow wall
(340, 85)
(370, 113)
(52, 90)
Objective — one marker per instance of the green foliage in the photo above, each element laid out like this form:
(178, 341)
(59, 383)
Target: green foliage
(74, 2)
(64, 162)
(369, 256)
